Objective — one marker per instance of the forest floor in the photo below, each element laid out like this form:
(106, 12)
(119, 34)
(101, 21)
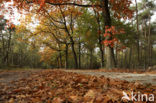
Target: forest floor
(8, 76)
(72, 86)
(142, 77)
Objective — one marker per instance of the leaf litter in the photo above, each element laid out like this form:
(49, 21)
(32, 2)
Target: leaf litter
(57, 86)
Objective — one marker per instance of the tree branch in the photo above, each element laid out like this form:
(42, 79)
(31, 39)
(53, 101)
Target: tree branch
(72, 4)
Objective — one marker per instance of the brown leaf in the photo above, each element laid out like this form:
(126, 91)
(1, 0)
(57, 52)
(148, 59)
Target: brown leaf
(11, 100)
(91, 93)
(35, 100)
(57, 100)
(74, 98)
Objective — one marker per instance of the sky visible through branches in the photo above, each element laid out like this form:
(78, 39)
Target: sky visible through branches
(16, 15)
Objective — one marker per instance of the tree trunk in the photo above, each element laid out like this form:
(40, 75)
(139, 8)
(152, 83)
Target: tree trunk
(126, 64)
(91, 59)
(149, 43)
(145, 49)
(116, 56)
(71, 39)
(102, 55)
(79, 52)
(74, 54)
(73, 48)
(110, 58)
(100, 38)
(6, 58)
(138, 49)
(58, 63)
(60, 57)
(122, 59)
(130, 57)
(66, 62)
(3, 50)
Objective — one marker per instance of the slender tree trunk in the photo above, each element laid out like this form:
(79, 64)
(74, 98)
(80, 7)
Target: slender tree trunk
(20, 58)
(3, 50)
(126, 59)
(6, 58)
(79, 52)
(143, 44)
(138, 49)
(73, 48)
(66, 62)
(58, 63)
(110, 58)
(74, 54)
(130, 57)
(12, 57)
(141, 53)
(145, 49)
(121, 60)
(60, 58)
(149, 43)
(102, 55)
(151, 54)
(116, 56)
(91, 59)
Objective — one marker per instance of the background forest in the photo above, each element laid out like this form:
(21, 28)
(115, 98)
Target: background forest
(74, 37)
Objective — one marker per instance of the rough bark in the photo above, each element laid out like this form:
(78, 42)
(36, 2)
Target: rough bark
(110, 58)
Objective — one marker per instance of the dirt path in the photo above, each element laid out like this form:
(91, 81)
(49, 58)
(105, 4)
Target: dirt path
(132, 77)
(8, 76)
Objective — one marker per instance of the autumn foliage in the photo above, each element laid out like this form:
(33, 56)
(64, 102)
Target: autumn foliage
(120, 8)
(111, 32)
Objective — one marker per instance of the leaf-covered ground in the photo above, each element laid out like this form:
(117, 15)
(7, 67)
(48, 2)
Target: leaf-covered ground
(57, 86)
(131, 76)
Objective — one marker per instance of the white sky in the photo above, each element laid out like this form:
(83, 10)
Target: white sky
(154, 16)
(15, 17)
